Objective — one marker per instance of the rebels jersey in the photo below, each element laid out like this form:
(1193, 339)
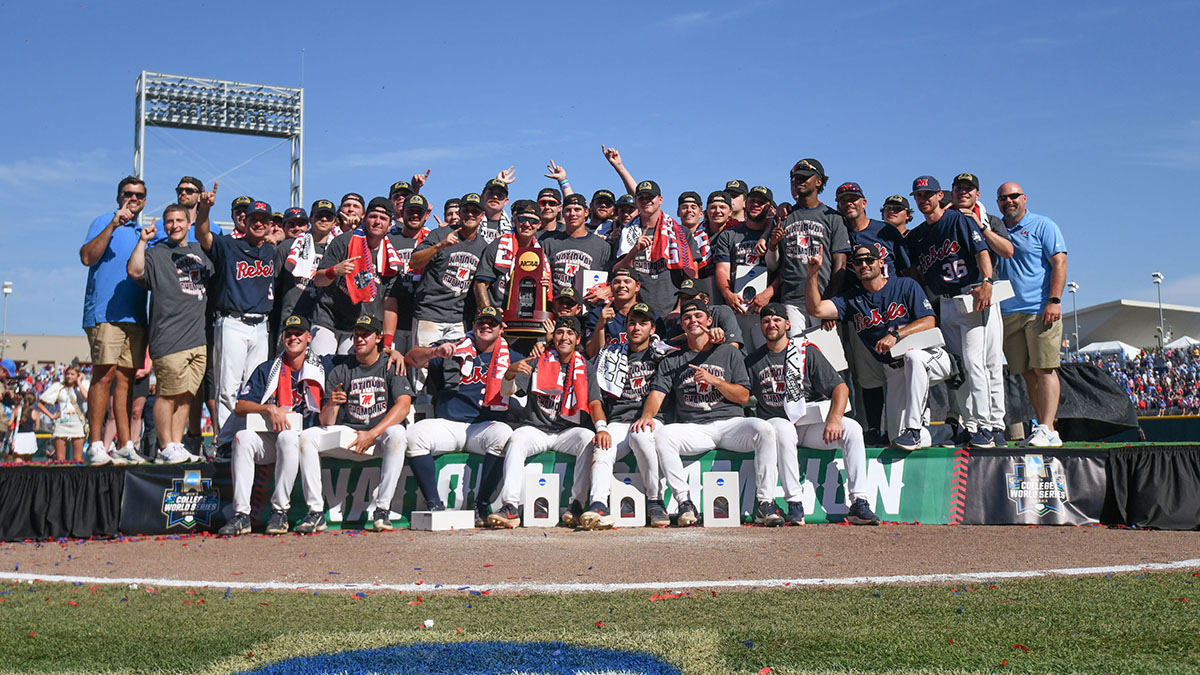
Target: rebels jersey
(246, 275)
(887, 242)
(899, 303)
(458, 396)
(945, 252)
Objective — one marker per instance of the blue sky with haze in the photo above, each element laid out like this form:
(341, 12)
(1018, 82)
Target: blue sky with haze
(1092, 107)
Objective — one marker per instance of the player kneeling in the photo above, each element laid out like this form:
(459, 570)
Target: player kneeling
(561, 391)
(788, 374)
(367, 402)
(290, 383)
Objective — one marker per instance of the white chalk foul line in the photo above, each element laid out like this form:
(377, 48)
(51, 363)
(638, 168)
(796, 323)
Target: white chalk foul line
(534, 587)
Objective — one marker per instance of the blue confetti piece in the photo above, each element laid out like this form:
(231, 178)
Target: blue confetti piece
(124, 599)
(589, 567)
(749, 644)
(228, 591)
(315, 593)
(463, 588)
(960, 609)
(17, 567)
(468, 605)
(877, 594)
(76, 583)
(7, 592)
(332, 572)
(437, 585)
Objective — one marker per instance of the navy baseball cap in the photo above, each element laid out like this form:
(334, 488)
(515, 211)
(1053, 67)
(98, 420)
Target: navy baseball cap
(380, 204)
(693, 305)
(604, 195)
(762, 192)
(452, 202)
(718, 196)
(773, 309)
(690, 196)
(849, 189)
(241, 202)
(642, 309)
(552, 193)
(925, 184)
(808, 167)
(400, 186)
(323, 206)
(736, 187)
(259, 207)
(368, 322)
(626, 200)
(575, 199)
(523, 206)
(571, 322)
(353, 196)
(295, 213)
(297, 322)
(648, 187)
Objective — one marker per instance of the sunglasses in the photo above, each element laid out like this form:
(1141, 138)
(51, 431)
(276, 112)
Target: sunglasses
(470, 211)
(528, 220)
(863, 260)
(133, 195)
(547, 202)
(186, 190)
(1012, 196)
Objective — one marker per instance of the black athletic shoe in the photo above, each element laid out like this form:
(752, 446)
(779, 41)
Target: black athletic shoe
(313, 521)
(795, 514)
(998, 438)
(767, 515)
(435, 506)
(278, 524)
(571, 517)
(861, 513)
(597, 517)
(238, 524)
(482, 511)
(381, 521)
(688, 515)
(656, 514)
(508, 516)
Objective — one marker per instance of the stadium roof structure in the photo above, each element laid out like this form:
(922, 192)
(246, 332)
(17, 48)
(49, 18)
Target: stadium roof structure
(1134, 322)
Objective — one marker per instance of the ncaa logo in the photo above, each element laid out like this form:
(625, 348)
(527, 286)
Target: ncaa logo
(191, 480)
(541, 482)
(720, 482)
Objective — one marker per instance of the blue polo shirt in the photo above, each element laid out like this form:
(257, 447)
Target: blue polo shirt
(111, 296)
(1035, 240)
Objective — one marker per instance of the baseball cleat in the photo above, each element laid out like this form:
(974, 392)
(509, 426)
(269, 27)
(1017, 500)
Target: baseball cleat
(238, 524)
(508, 516)
(688, 516)
(982, 439)
(657, 514)
(313, 521)
(861, 513)
(571, 516)
(381, 521)
(481, 514)
(435, 506)
(795, 514)
(597, 517)
(767, 515)
(909, 439)
(278, 524)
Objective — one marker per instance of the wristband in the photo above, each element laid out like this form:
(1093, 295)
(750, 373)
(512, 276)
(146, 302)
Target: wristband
(330, 274)
(601, 426)
(564, 183)
(387, 341)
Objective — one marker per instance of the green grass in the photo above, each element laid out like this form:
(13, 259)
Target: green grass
(1123, 623)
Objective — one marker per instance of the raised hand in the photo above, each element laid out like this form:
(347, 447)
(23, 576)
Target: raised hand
(125, 213)
(348, 222)
(149, 231)
(338, 395)
(345, 267)
(814, 261)
(418, 179)
(556, 172)
(507, 176)
(612, 156)
(701, 375)
(207, 199)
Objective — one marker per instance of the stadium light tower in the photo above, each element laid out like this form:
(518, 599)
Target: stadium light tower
(1158, 279)
(202, 104)
(1072, 287)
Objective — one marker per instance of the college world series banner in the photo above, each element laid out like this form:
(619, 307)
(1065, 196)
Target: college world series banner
(1063, 488)
(176, 499)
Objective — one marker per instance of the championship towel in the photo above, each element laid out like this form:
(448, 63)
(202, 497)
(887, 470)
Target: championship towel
(669, 243)
(302, 257)
(366, 266)
(612, 364)
(793, 378)
(466, 354)
(280, 383)
(548, 380)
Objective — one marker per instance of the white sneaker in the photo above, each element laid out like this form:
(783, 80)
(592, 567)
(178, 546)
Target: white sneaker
(127, 455)
(1042, 437)
(1055, 439)
(175, 453)
(96, 456)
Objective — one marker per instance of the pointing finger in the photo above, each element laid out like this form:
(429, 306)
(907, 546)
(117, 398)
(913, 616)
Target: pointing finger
(214, 187)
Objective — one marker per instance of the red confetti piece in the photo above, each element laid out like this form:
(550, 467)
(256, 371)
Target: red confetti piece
(32, 634)
(190, 592)
(1021, 647)
(951, 640)
(420, 581)
(249, 655)
(265, 604)
(764, 671)
(488, 565)
(1004, 662)
(714, 593)
(72, 603)
(460, 631)
(1181, 600)
(486, 593)
(599, 624)
(417, 601)
(187, 602)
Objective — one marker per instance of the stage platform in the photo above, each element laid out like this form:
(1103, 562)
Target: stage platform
(1134, 485)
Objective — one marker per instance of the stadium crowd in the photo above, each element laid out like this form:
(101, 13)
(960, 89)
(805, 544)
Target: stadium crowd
(1162, 382)
(373, 328)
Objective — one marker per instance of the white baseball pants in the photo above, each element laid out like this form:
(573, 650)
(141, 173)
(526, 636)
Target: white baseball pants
(238, 348)
(908, 390)
(529, 441)
(740, 434)
(854, 455)
(978, 338)
(390, 446)
(281, 449)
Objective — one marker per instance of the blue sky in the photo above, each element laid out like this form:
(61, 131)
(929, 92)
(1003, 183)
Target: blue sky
(1092, 107)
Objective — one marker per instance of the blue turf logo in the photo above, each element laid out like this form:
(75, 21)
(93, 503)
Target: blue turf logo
(1037, 485)
(532, 658)
(190, 500)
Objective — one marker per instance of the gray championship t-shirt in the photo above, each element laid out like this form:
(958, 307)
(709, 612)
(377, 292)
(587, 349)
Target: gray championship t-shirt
(177, 277)
(446, 281)
(570, 255)
(335, 299)
(805, 230)
(698, 403)
(404, 286)
(543, 411)
(735, 245)
(722, 317)
(370, 391)
(658, 282)
(767, 370)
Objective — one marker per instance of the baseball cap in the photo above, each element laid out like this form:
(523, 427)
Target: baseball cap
(355, 196)
(566, 292)
(690, 196)
(897, 200)
(736, 187)
(575, 199)
(9, 366)
(808, 167)
(258, 207)
(400, 186)
(522, 206)
(643, 309)
(571, 322)
(241, 202)
(488, 313)
(624, 271)
(966, 178)
(380, 204)
(925, 184)
(604, 194)
(851, 189)
(416, 202)
(551, 193)
(689, 288)
(297, 322)
(277, 215)
(693, 305)
(323, 206)
(471, 199)
(648, 187)
(773, 309)
(294, 213)
(452, 202)
(720, 196)
(626, 200)
(193, 181)
(496, 184)
(867, 252)
(368, 322)
(763, 192)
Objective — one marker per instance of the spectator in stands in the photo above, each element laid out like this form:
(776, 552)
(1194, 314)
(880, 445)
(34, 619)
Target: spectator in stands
(114, 317)
(63, 402)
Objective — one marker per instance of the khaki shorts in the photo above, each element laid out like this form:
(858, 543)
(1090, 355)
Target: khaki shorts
(181, 372)
(1029, 343)
(117, 344)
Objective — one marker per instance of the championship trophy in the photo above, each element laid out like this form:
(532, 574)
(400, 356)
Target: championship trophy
(526, 308)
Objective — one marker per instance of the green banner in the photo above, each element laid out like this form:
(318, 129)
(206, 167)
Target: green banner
(902, 487)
